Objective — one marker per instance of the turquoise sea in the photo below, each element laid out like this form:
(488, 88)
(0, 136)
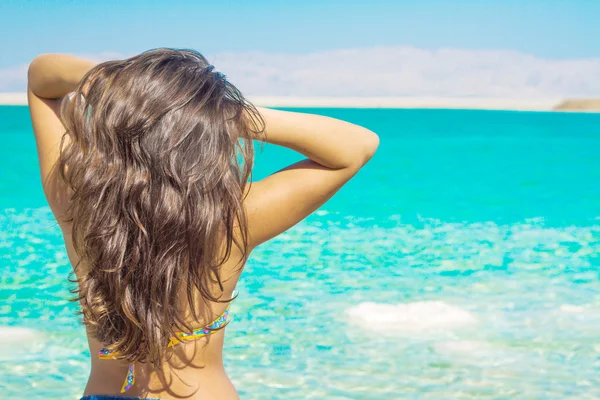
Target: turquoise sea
(461, 263)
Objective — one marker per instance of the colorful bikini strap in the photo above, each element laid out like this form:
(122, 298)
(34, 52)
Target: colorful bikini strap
(220, 322)
(129, 379)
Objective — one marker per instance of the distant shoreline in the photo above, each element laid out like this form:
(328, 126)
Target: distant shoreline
(409, 102)
(379, 102)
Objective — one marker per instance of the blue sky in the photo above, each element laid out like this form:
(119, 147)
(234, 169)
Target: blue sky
(548, 28)
(497, 48)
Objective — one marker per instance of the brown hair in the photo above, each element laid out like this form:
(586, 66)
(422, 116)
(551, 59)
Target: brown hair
(159, 156)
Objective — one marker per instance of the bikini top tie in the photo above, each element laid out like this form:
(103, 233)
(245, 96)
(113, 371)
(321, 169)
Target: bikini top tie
(221, 321)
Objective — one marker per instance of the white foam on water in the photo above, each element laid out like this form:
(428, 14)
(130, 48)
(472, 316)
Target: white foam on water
(409, 317)
(462, 347)
(586, 312)
(16, 343)
(10, 335)
(572, 309)
(473, 352)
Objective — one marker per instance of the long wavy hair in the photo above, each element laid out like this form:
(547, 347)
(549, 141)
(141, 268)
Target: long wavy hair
(159, 155)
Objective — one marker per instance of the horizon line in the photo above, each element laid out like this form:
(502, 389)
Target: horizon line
(401, 102)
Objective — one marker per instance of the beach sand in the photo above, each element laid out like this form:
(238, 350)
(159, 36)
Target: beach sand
(549, 104)
(13, 99)
(411, 102)
(591, 105)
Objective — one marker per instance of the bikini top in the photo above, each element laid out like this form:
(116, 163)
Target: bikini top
(221, 321)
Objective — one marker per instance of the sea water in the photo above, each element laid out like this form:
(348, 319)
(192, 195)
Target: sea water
(460, 263)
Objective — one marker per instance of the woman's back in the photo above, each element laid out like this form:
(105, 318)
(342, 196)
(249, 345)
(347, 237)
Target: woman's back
(194, 371)
(150, 185)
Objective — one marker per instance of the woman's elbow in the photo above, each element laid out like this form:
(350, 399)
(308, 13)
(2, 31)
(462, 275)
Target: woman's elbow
(369, 146)
(372, 144)
(44, 74)
(34, 73)
(365, 149)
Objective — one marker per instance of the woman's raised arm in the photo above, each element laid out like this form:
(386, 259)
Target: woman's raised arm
(51, 76)
(335, 151)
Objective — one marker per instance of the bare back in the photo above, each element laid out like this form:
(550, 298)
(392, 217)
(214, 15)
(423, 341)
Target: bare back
(195, 370)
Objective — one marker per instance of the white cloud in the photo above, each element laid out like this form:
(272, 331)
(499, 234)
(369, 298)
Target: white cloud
(407, 71)
(394, 71)
(14, 79)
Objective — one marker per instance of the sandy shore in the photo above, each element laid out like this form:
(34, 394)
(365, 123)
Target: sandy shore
(590, 105)
(376, 102)
(410, 102)
(13, 99)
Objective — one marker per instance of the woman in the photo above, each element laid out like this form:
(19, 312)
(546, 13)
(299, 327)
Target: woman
(145, 163)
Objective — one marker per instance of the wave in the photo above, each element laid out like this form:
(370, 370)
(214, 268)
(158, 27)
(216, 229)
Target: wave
(409, 317)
